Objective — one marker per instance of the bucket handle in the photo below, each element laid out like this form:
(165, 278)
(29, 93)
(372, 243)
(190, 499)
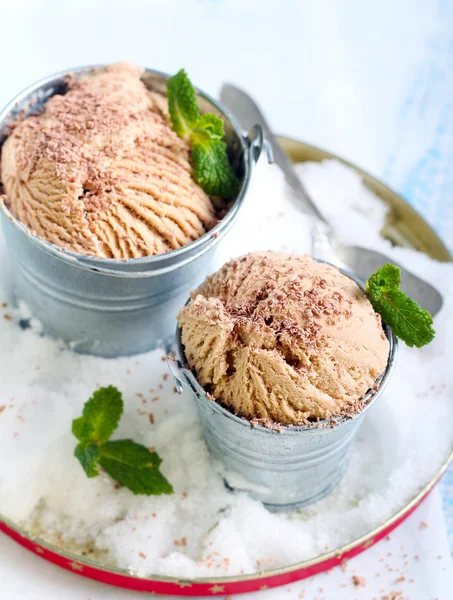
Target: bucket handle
(179, 374)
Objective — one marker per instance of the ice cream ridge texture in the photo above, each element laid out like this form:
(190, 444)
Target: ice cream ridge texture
(283, 338)
(101, 172)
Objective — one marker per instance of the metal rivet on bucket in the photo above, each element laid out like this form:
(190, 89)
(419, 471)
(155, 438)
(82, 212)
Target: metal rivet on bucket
(111, 307)
(284, 469)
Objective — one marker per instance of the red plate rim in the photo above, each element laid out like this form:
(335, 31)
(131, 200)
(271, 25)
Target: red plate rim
(218, 585)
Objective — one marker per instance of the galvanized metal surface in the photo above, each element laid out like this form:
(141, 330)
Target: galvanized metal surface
(284, 469)
(110, 307)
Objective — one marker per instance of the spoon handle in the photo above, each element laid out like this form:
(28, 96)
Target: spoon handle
(248, 113)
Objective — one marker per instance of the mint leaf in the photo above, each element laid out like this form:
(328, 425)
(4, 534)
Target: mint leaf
(131, 464)
(383, 280)
(130, 453)
(408, 320)
(139, 481)
(182, 103)
(212, 125)
(134, 467)
(82, 430)
(100, 417)
(88, 456)
(212, 168)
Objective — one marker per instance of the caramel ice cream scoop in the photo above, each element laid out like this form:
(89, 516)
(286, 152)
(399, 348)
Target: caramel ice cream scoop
(101, 172)
(283, 338)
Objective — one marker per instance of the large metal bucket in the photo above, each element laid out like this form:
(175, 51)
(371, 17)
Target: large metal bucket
(285, 468)
(110, 307)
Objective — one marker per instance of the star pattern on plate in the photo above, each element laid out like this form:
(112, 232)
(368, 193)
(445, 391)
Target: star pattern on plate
(183, 584)
(216, 589)
(369, 543)
(39, 550)
(264, 587)
(75, 566)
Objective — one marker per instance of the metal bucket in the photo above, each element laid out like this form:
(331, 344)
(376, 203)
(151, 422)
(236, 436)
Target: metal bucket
(286, 468)
(110, 307)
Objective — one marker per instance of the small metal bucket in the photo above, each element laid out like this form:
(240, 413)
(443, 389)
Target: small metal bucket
(110, 307)
(284, 469)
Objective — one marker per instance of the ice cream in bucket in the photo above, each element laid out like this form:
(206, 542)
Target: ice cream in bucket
(110, 306)
(284, 466)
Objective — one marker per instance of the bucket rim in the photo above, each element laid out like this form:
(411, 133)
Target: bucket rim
(183, 375)
(93, 263)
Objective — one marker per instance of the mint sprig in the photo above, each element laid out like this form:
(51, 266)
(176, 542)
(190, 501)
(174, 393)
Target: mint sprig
(130, 464)
(182, 104)
(100, 416)
(408, 320)
(212, 168)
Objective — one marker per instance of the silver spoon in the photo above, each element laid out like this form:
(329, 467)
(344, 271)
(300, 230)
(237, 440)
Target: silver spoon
(325, 243)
